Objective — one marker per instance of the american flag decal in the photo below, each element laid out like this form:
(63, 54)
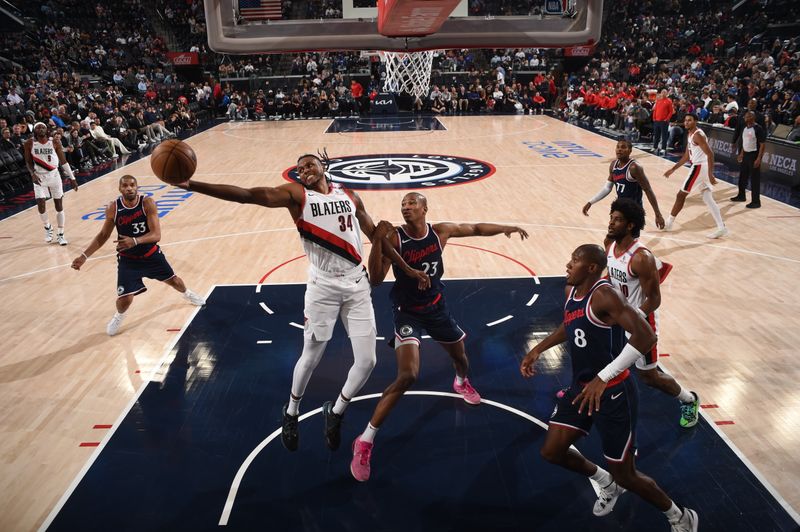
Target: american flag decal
(260, 9)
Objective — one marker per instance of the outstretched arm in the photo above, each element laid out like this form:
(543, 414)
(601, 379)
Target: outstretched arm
(98, 241)
(638, 173)
(451, 230)
(287, 195)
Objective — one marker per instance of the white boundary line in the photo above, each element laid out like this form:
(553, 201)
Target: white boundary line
(145, 382)
(501, 320)
(237, 480)
(538, 125)
(753, 469)
(240, 474)
(658, 235)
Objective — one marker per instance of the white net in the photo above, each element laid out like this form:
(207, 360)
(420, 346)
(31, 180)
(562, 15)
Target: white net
(408, 72)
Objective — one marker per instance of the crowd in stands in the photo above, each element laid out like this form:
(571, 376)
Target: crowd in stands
(710, 61)
(98, 75)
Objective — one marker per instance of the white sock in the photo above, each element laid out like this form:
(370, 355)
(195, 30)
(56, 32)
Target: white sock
(340, 406)
(294, 406)
(602, 477)
(674, 514)
(60, 219)
(369, 433)
(670, 220)
(45, 218)
(460, 380)
(685, 396)
(119, 315)
(713, 208)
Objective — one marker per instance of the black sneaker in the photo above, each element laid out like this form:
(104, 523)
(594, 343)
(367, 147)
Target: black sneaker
(289, 434)
(738, 198)
(753, 205)
(333, 426)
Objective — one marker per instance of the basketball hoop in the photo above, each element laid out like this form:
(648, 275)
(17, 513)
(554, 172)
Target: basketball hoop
(408, 72)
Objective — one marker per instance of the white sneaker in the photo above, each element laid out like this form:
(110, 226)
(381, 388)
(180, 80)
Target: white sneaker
(48, 234)
(723, 231)
(607, 498)
(62, 241)
(687, 523)
(668, 225)
(113, 326)
(193, 298)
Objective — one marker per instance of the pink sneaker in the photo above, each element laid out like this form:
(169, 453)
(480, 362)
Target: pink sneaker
(466, 390)
(359, 465)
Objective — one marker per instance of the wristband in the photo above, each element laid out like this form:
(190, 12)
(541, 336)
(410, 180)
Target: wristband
(627, 356)
(85, 256)
(135, 242)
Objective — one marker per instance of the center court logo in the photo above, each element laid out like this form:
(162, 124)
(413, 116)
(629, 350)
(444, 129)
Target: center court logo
(402, 171)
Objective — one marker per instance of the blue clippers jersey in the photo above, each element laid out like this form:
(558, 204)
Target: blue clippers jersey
(625, 184)
(132, 222)
(591, 343)
(421, 254)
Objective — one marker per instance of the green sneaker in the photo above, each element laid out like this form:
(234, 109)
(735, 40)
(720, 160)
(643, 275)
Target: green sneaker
(689, 412)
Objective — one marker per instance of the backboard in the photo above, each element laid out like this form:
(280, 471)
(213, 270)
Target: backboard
(267, 26)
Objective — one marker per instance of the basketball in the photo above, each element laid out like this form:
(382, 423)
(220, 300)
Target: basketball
(173, 161)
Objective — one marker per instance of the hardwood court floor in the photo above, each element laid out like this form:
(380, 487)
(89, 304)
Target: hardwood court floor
(728, 313)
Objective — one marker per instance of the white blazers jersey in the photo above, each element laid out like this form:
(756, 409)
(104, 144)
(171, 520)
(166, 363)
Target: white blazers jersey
(45, 158)
(696, 154)
(620, 274)
(330, 231)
